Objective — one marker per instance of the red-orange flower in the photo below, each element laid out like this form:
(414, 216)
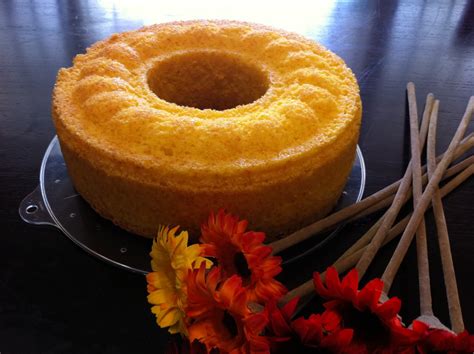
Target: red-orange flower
(377, 326)
(318, 333)
(242, 252)
(438, 340)
(219, 315)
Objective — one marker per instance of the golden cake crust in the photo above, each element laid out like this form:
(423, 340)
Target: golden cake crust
(139, 160)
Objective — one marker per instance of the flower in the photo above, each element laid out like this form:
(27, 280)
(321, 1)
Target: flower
(377, 326)
(242, 252)
(439, 340)
(219, 316)
(172, 258)
(321, 333)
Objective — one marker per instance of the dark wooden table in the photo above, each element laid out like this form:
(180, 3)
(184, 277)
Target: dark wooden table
(54, 298)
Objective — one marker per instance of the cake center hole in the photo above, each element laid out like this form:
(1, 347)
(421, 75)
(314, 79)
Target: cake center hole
(207, 80)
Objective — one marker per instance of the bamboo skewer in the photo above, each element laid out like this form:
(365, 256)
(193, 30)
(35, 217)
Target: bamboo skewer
(454, 304)
(422, 205)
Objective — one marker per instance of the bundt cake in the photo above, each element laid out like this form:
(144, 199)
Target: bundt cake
(164, 124)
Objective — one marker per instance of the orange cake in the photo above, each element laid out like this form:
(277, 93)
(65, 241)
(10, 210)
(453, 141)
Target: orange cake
(164, 124)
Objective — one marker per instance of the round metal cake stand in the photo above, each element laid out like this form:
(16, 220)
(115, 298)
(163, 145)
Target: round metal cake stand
(56, 203)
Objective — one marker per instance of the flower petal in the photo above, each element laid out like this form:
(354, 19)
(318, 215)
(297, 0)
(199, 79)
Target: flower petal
(369, 296)
(289, 308)
(390, 308)
(319, 286)
(350, 284)
(333, 283)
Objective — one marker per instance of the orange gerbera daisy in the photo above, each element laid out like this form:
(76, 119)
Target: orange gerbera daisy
(219, 316)
(171, 259)
(377, 326)
(242, 252)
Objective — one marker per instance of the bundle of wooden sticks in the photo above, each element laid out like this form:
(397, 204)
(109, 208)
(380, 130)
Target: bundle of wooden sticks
(394, 196)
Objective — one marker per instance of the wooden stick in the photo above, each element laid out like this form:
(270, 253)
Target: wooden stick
(466, 144)
(345, 263)
(422, 205)
(454, 304)
(356, 209)
(424, 283)
(394, 209)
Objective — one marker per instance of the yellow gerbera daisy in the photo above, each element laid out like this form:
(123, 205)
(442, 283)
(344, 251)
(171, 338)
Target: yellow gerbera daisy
(171, 259)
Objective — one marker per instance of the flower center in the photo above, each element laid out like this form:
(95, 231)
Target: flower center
(242, 266)
(368, 328)
(229, 322)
